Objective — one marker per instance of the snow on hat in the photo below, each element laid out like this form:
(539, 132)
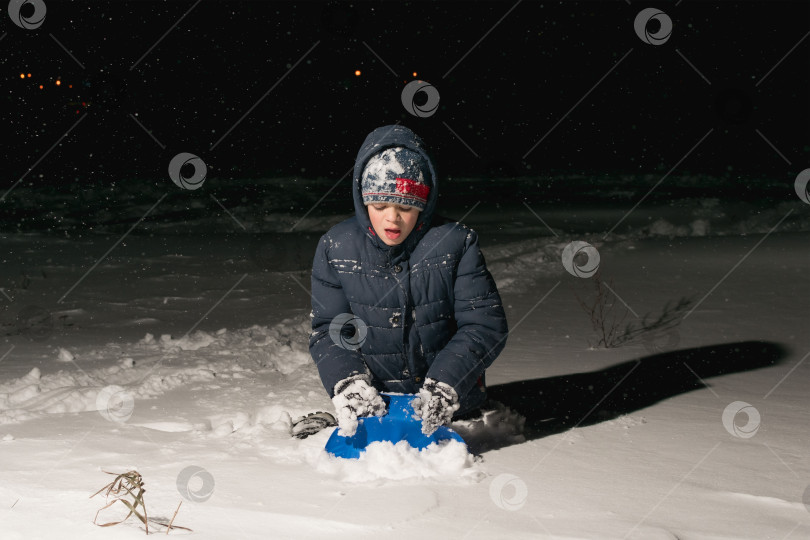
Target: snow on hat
(396, 176)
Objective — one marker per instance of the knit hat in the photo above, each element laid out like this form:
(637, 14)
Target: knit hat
(396, 176)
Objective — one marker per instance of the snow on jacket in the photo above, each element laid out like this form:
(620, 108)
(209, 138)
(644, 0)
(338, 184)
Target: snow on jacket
(429, 306)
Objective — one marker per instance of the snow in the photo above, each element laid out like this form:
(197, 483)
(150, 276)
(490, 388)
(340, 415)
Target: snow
(448, 461)
(183, 355)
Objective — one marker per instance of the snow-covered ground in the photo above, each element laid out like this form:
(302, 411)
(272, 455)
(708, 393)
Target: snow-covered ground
(181, 352)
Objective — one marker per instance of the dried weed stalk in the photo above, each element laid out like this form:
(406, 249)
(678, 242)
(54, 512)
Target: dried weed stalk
(127, 489)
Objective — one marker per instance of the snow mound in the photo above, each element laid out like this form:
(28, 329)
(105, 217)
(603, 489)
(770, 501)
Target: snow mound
(152, 367)
(445, 461)
(516, 265)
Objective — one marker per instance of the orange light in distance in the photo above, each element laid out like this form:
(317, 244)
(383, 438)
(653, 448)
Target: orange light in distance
(41, 87)
(22, 75)
(414, 74)
(29, 75)
(58, 82)
(356, 72)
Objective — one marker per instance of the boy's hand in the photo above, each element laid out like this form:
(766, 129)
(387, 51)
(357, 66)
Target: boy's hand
(435, 404)
(354, 396)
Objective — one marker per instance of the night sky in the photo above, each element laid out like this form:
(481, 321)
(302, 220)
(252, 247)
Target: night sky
(262, 89)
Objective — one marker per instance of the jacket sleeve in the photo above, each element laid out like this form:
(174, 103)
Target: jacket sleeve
(334, 361)
(481, 323)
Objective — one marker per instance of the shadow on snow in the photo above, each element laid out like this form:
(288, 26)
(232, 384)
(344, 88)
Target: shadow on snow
(555, 404)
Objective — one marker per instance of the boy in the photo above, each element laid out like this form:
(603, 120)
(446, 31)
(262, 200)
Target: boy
(402, 301)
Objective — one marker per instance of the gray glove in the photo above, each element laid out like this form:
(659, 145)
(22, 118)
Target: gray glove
(354, 396)
(435, 405)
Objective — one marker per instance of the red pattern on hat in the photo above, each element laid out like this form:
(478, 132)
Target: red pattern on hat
(406, 186)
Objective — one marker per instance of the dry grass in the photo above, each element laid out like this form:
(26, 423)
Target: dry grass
(127, 489)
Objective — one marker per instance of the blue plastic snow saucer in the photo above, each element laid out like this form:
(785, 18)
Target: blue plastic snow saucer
(399, 424)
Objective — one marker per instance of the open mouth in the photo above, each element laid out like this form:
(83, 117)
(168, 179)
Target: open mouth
(393, 234)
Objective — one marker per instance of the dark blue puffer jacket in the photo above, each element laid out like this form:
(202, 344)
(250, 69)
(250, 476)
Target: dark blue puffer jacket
(429, 305)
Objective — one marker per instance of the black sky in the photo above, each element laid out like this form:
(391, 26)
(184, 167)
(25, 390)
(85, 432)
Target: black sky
(525, 88)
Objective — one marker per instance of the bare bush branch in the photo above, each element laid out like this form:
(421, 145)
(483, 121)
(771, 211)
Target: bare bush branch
(608, 316)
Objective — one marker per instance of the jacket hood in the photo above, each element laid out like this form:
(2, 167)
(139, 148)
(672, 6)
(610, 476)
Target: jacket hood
(377, 141)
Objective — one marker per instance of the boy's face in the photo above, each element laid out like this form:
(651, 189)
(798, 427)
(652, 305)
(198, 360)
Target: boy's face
(391, 222)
